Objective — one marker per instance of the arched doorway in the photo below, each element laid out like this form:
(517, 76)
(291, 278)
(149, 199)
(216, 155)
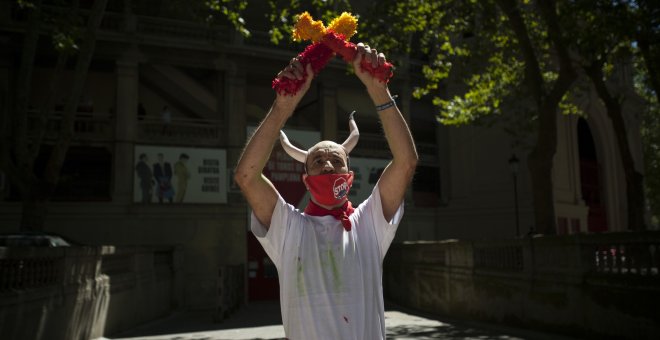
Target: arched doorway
(590, 177)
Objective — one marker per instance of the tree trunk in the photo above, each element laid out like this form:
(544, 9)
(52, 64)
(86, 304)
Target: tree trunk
(636, 201)
(37, 192)
(634, 179)
(40, 126)
(540, 159)
(58, 154)
(539, 162)
(19, 123)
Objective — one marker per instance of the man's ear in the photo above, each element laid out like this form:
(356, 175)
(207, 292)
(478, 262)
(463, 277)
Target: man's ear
(304, 180)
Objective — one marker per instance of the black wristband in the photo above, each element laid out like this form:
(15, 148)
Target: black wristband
(387, 105)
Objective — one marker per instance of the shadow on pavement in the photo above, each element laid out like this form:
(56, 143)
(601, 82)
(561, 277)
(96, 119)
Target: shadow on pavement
(254, 315)
(445, 331)
(262, 320)
(405, 323)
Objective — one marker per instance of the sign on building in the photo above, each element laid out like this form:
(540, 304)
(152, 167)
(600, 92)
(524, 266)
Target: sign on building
(166, 175)
(366, 172)
(285, 172)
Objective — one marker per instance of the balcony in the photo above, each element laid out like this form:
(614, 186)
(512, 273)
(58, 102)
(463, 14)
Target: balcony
(181, 131)
(87, 127)
(91, 128)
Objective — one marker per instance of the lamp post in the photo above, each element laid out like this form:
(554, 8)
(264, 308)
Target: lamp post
(513, 166)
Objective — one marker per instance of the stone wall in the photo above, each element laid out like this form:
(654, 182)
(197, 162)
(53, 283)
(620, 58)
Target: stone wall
(85, 292)
(586, 285)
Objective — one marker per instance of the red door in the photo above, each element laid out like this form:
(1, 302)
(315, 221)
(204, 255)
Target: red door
(590, 178)
(591, 193)
(262, 273)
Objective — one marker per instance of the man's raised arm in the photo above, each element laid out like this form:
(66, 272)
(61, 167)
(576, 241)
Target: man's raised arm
(257, 189)
(398, 174)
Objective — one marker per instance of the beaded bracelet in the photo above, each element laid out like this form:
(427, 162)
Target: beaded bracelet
(387, 105)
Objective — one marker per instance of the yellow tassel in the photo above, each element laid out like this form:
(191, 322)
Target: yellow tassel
(345, 24)
(307, 28)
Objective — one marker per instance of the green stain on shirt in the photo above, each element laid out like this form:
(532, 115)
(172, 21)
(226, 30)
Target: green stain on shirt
(336, 275)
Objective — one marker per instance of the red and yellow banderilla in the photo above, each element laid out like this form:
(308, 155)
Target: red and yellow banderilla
(325, 43)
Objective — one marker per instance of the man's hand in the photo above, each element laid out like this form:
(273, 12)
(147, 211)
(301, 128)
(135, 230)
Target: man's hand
(376, 59)
(295, 70)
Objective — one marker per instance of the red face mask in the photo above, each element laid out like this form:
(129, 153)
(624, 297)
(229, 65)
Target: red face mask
(330, 189)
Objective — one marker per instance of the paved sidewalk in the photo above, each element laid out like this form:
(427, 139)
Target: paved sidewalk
(261, 320)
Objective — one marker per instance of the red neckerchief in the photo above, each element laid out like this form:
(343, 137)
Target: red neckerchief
(340, 213)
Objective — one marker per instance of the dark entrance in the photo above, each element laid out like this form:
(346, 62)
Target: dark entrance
(590, 176)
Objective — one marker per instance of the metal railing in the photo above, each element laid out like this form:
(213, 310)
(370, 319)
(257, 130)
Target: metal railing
(87, 126)
(619, 254)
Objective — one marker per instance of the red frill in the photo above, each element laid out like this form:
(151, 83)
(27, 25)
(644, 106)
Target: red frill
(316, 54)
(319, 54)
(347, 50)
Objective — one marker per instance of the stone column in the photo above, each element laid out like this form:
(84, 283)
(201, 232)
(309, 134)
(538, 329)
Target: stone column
(125, 130)
(5, 102)
(404, 103)
(235, 122)
(442, 142)
(328, 106)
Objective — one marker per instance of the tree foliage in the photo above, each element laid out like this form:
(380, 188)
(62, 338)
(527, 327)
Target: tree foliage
(499, 62)
(506, 63)
(231, 10)
(651, 144)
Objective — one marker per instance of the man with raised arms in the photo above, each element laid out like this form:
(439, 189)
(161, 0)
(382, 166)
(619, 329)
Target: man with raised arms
(329, 258)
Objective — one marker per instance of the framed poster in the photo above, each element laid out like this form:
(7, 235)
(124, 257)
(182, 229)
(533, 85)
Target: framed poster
(164, 174)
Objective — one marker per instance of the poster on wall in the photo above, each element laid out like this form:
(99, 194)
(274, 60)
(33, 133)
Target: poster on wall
(366, 172)
(285, 172)
(165, 175)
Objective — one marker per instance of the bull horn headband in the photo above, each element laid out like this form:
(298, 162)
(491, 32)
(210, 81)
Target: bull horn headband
(301, 155)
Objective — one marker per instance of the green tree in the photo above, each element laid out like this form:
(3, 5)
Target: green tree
(646, 30)
(496, 53)
(514, 63)
(651, 144)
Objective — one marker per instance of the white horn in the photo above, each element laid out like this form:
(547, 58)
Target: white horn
(354, 135)
(294, 152)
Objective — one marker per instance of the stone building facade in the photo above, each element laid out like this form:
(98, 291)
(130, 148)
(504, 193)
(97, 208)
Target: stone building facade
(215, 86)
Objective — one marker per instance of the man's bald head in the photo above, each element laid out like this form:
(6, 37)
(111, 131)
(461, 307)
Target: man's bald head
(326, 157)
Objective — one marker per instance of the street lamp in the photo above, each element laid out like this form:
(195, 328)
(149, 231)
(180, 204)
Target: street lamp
(514, 167)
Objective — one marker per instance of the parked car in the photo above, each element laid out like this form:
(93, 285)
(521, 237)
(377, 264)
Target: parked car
(34, 239)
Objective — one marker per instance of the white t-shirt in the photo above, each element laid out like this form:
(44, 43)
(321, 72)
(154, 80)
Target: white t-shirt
(330, 279)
